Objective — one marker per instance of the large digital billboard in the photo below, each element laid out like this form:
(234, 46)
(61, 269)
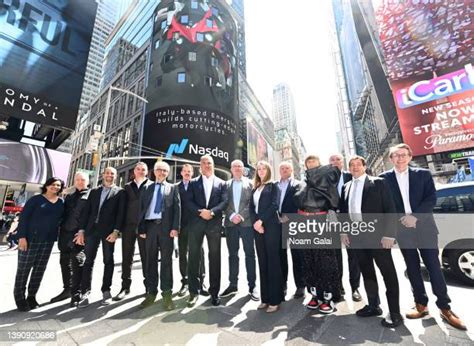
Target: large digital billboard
(31, 164)
(44, 47)
(257, 147)
(193, 87)
(428, 50)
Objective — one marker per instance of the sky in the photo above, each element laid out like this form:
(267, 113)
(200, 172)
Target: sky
(291, 42)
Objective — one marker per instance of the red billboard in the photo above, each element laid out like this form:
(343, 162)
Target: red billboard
(428, 49)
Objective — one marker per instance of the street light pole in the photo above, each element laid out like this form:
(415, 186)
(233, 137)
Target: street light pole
(104, 127)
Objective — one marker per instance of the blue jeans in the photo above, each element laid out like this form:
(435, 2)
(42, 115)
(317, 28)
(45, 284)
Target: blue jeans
(233, 234)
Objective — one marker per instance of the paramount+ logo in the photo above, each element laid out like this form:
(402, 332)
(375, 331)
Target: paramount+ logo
(180, 148)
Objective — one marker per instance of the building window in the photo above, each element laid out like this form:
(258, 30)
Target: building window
(184, 19)
(157, 44)
(209, 23)
(192, 56)
(159, 81)
(194, 5)
(181, 77)
(200, 37)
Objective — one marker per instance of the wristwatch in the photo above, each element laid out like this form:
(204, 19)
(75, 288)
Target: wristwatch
(212, 213)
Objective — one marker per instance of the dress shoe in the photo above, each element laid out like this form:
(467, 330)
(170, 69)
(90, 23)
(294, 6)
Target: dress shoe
(262, 306)
(299, 293)
(168, 304)
(451, 318)
(229, 291)
(123, 292)
(106, 298)
(368, 311)
(356, 297)
(84, 302)
(22, 305)
(75, 299)
(392, 320)
(65, 294)
(215, 301)
(418, 311)
(183, 291)
(193, 298)
(254, 295)
(148, 301)
(32, 303)
(272, 308)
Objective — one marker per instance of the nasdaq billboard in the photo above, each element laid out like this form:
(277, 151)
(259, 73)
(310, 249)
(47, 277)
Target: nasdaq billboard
(428, 50)
(192, 86)
(44, 47)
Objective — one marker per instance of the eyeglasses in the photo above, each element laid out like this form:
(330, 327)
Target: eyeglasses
(161, 170)
(400, 156)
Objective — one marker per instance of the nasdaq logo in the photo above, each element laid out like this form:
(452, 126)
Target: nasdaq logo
(177, 148)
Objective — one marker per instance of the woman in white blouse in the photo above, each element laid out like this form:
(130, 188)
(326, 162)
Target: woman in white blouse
(263, 211)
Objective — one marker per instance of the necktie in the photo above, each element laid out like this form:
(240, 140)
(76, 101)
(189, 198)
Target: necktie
(159, 199)
(352, 206)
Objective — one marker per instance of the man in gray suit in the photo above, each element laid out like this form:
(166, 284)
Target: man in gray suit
(160, 215)
(238, 225)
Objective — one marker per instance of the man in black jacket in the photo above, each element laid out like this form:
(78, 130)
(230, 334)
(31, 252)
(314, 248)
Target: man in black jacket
(207, 200)
(101, 222)
(364, 199)
(133, 190)
(160, 214)
(71, 253)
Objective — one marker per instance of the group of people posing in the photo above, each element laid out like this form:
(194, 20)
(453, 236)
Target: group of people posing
(153, 213)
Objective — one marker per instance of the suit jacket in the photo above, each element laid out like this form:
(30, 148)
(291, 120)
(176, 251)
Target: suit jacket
(289, 206)
(185, 213)
(132, 210)
(197, 199)
(376, 199)
(346, 176)
(422, 197)
(170, 208)
(244, 205)
(267, 205)
(111, 214)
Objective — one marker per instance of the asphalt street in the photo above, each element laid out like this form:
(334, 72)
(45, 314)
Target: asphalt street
(237, 321)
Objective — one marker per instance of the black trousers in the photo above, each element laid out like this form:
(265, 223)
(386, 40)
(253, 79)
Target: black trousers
(91, 247)
(298, 267)
(233, 236)
(183, 250)
(129, 238)
(158, 239)
(354, 270)
(31, 265)
(71, 259)
(384, 261)
(268, 247)
(212, 231)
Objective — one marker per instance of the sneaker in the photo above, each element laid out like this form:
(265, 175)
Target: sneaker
(121, 295)
(84, 302)
(148, 301)
(193, 298)
(229, 291)
(75, 299)
(327, 306)
(106, 298)
(254, 295)
(183, 291)
(313, 303)
(168, 304)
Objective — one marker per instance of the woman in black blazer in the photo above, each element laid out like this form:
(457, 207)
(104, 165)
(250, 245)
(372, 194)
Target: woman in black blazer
(263, 211)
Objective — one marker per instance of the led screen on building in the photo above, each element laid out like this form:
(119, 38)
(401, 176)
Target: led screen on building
(428, 50)
(44, 47)
(193, 87)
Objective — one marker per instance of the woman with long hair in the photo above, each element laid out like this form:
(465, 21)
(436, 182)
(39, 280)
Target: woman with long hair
(37, 231)
(263, 212)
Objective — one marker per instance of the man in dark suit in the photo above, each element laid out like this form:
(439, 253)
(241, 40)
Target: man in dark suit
(160, 216)
(362, 196)
(187, 174)
(288, 186)
(101, 221)
(415, 197)
(133, 190)
(207, 200)
(337, 160)
(239, 226)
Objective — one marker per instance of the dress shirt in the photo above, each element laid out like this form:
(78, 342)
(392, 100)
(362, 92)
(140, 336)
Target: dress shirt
(185, 184)
(355, 198)
(283, 185)
(208, 184)
(340, 184)
(137, 184)
(237, 186)
(256, 197)
(404, 185)
(150, 214)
